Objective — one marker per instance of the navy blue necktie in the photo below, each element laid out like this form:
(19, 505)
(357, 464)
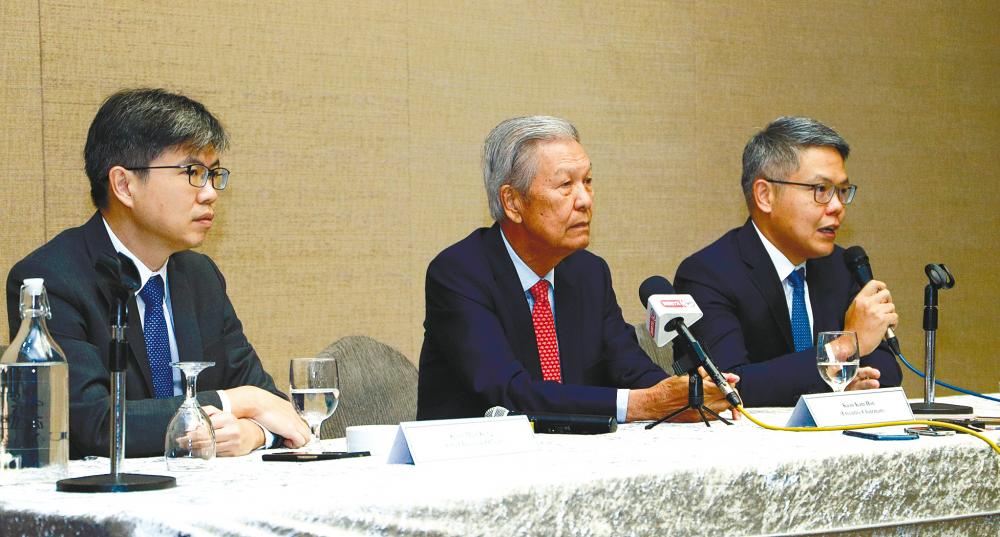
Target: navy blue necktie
(154, 331)
(801, 333)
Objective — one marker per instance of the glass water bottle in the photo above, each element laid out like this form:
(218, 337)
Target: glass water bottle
(34, 397)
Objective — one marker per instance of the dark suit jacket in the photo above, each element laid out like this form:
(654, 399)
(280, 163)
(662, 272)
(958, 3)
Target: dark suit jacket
(479, 342)
(747, 328)
(205, 326)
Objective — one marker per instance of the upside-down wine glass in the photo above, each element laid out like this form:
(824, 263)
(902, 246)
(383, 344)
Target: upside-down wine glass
(190, 441)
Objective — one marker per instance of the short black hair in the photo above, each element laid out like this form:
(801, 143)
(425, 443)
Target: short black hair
(134, 126)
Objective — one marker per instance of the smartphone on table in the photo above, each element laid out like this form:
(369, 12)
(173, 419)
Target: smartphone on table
(882, 436)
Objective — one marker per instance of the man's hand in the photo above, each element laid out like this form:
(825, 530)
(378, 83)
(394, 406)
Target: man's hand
(870, 314)
(272, 412)
(866, 379)
(233, 436)
(671, 394)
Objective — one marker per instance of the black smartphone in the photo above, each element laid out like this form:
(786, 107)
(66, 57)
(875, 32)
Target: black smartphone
(305, 456)
(882, 436)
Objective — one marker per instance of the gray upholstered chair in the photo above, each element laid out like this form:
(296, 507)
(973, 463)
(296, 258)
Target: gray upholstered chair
(378, 385)
(662, 356)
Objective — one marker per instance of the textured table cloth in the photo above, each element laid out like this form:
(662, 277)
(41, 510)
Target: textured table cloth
(677, 479)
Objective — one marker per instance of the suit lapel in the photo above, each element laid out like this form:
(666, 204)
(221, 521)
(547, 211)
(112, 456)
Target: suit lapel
(568, 317)
(765, 279)
(512, 305)
(137, 343)
(186, 332)
(820, 280)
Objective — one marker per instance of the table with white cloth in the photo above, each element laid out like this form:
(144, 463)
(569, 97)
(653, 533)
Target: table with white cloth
(676, 479)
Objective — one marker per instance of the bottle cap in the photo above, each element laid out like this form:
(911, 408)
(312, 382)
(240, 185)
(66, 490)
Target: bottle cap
(35, 286)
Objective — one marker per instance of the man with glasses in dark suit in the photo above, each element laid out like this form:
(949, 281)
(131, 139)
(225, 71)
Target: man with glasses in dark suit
(768, 287)
(152, 158)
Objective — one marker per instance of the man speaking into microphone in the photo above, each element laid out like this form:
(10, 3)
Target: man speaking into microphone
(519, 315)
(767, 288)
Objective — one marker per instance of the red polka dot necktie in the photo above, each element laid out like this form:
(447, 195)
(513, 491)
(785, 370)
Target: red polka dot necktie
(545, 332)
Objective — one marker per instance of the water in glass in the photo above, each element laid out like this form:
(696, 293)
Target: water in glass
(837, 358)
(314, 386)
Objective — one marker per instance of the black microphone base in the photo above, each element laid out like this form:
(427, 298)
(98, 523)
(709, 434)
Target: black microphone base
(701, 410)
(696, 400)
(113, 483)
(939, 408)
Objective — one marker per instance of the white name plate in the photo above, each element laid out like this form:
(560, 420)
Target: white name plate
(850, 408)
(419, 442)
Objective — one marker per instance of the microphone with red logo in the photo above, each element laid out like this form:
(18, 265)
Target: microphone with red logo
(668, 314)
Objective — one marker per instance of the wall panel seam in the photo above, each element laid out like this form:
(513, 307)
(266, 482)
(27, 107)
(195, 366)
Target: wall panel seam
(41, 114)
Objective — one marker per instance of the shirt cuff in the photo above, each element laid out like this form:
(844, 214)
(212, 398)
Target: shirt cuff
(268, 436)
(622, 404)
(227, 407)
(224, 399)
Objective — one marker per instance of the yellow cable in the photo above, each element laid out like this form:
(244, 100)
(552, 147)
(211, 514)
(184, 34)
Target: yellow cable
(958, 428)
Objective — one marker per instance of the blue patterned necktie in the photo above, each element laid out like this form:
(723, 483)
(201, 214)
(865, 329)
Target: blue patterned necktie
(801, 333)
(154, 330)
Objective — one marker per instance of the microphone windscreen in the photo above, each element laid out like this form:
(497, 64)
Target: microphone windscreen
(854, 257)
(857, 262)
(654, 285)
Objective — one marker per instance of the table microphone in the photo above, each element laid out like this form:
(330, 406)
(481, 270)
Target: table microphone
(561, 423)
(857, 262)
(668, 309)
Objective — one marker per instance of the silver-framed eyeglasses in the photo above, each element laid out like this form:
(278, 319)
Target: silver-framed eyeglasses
(823, 192)
(198, 174)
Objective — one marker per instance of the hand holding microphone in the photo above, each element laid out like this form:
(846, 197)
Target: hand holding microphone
(871, 314)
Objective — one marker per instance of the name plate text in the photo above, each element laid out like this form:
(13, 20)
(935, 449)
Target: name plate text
(850, 408)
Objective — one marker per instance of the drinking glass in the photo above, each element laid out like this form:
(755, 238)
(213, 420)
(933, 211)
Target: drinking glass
(190, 441)
(837, 358)
(315, 392)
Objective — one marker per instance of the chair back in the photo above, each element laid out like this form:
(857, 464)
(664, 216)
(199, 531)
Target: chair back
(378, 385)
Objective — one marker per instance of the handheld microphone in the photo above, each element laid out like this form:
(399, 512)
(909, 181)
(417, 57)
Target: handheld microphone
(857, 262)
(561, 423)
(672, 311)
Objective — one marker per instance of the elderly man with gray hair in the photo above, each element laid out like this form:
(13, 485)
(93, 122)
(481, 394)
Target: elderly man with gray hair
(767, 288)
(520, 315)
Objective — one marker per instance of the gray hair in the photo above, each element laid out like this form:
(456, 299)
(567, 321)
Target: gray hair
(774, 152)
(509, 155)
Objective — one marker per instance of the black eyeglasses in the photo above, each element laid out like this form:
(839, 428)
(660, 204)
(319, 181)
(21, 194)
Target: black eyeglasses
(823, 192)
(198, 174)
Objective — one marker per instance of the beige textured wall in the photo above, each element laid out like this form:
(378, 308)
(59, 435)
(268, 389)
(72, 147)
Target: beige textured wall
(357, 128)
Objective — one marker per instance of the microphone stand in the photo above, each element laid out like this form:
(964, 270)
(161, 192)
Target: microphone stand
(930, 344)
(124, 282)
(696, 390)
